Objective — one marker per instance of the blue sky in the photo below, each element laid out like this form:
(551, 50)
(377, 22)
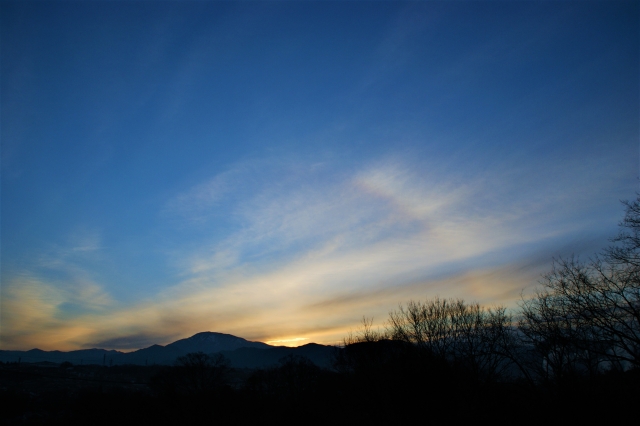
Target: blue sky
(277, 170)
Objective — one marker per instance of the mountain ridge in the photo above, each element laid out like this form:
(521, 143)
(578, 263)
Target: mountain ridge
(241, 352)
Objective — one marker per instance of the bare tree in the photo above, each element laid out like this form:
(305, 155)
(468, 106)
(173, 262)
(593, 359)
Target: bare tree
(365, 333)
(560, 341)
(201, 372)
(586, 316)
(595, 307)
(469, 335)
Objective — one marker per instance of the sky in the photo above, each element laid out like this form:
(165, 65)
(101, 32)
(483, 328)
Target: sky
(278, 170)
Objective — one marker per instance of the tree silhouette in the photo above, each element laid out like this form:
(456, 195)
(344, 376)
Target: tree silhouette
(469, 335)
(203, 372)
(193, 373)
(586, 316)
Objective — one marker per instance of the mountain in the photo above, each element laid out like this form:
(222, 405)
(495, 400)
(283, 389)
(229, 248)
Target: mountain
(241, 352)
(209, 342)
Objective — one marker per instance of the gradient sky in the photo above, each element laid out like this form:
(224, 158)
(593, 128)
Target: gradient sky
(277, 170)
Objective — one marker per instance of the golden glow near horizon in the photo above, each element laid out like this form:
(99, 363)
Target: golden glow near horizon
(292, 342)
(321, 318)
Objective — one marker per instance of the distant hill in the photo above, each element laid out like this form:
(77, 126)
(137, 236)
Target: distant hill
(260, 358)
(241, 352)
(84, 356)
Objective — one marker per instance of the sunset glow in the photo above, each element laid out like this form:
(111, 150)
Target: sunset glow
(278, 170)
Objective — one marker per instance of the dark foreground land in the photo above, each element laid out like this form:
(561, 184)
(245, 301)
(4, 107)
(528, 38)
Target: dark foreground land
(375, 386)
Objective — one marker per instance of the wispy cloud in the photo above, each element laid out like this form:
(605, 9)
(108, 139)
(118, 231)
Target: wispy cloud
(307, 259)
(36, 313)
(196, 203)
(80, 245)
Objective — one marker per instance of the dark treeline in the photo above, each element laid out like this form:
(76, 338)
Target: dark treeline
(571, 352)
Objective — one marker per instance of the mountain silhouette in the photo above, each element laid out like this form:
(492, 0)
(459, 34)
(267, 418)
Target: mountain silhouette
(209, 342)
(241, 352)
